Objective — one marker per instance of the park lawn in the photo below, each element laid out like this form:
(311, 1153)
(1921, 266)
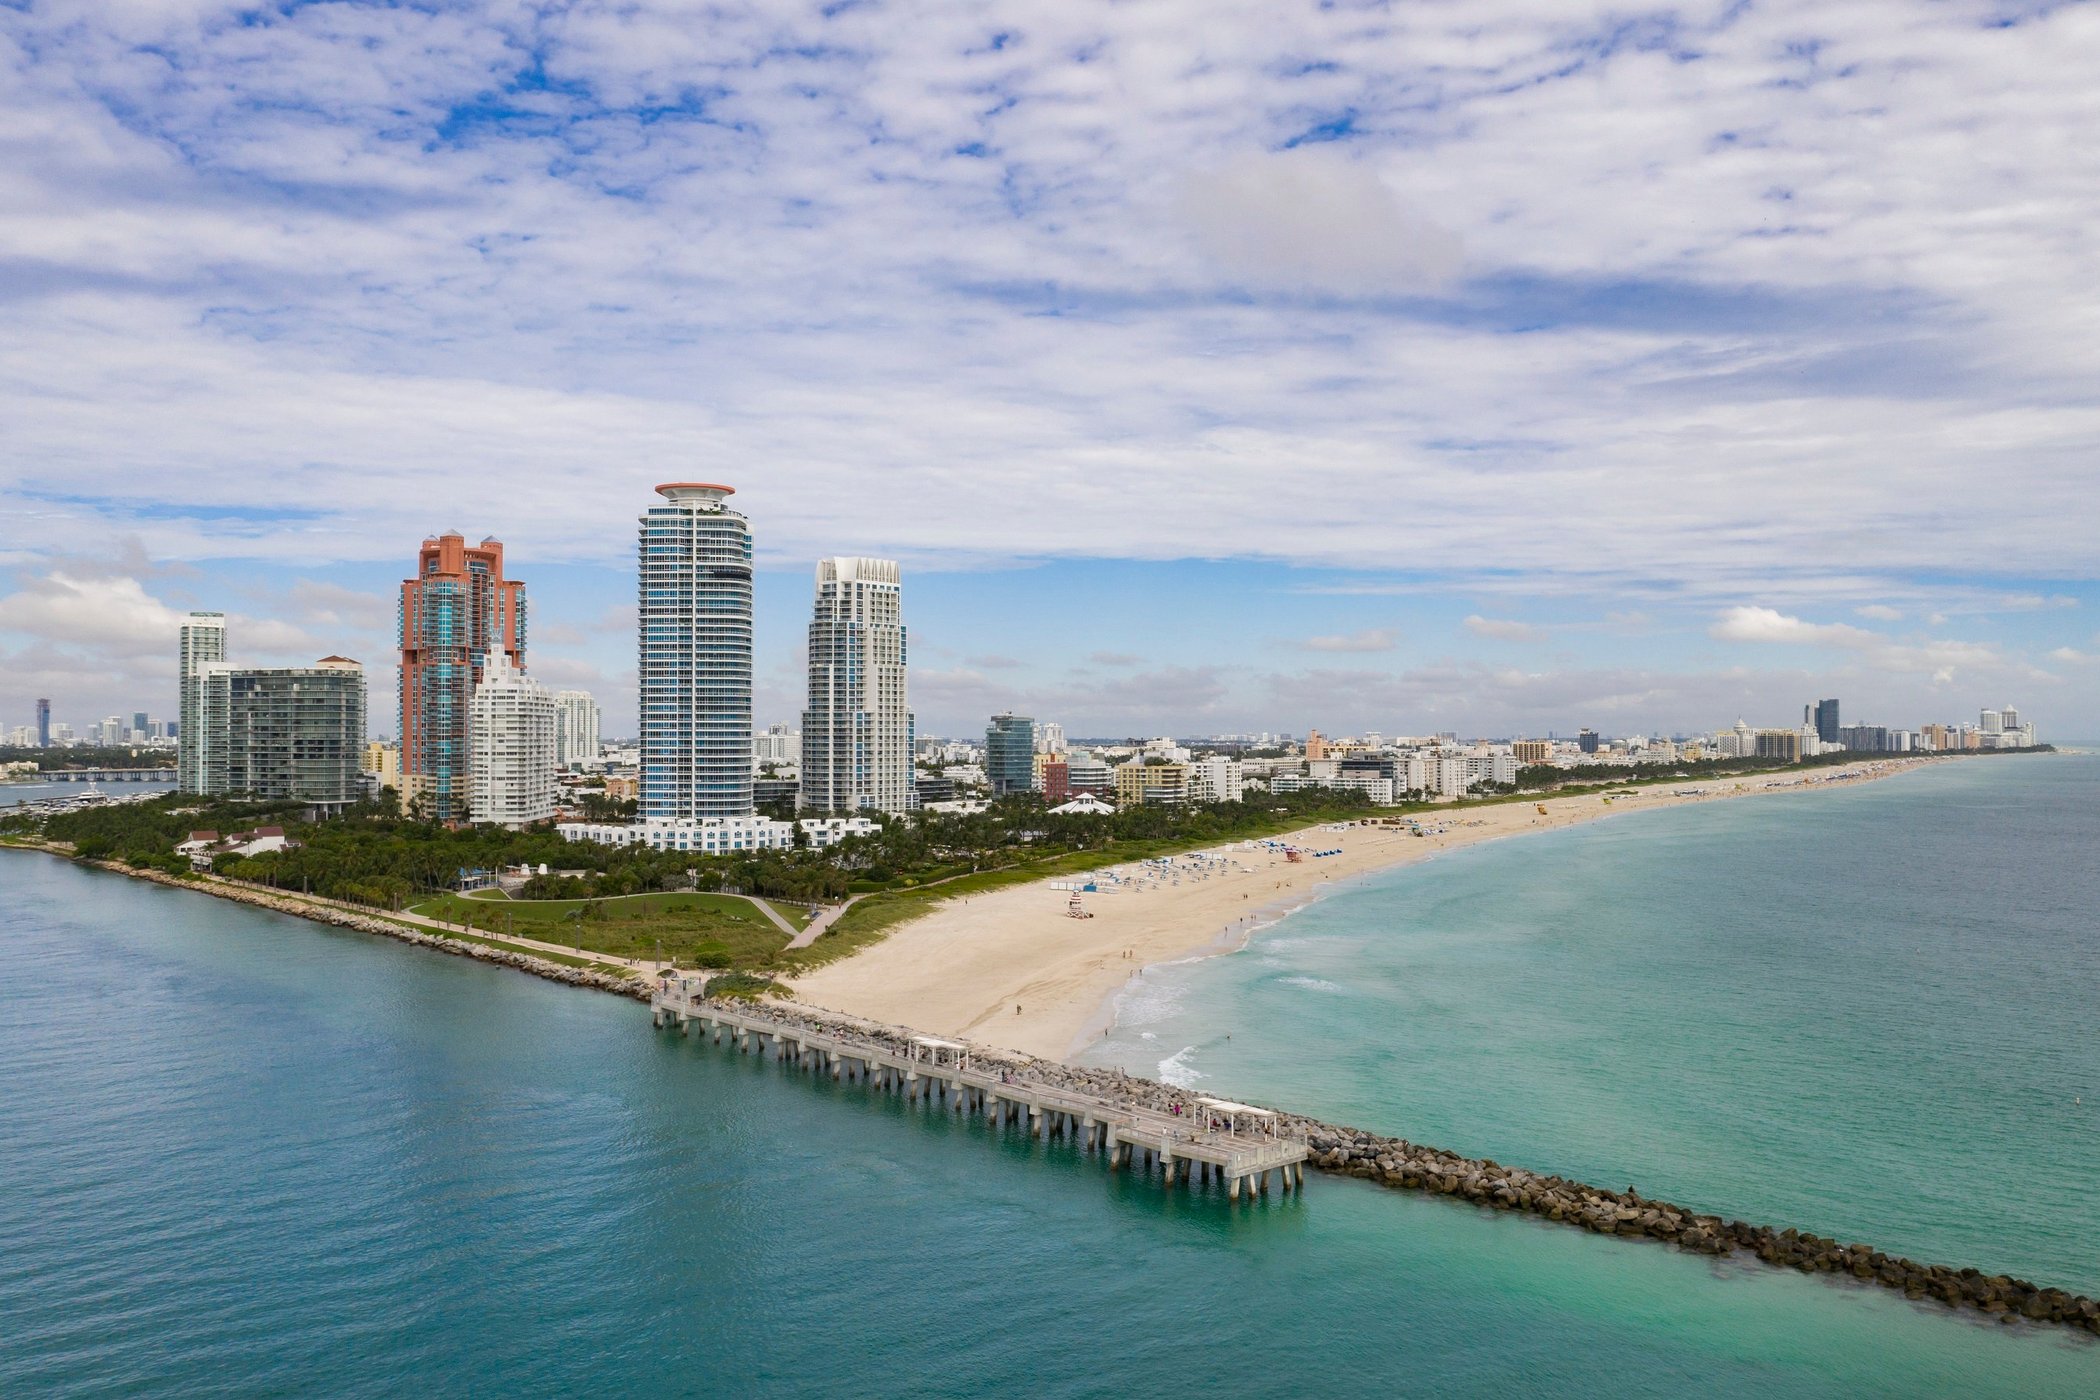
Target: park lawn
(676, 926)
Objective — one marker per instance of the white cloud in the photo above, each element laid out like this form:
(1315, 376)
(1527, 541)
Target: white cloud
(1749, 624)
(2069, 656)
(1941, 659)
(1313, 219)
(284, 288)
(1880, 612)
(1370, 639)
(1504, 629)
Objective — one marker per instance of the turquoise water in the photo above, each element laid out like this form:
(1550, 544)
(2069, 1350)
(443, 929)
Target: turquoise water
(246, 1155)
(1866, 1012)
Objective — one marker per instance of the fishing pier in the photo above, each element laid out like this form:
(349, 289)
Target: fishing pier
(1211, 1141)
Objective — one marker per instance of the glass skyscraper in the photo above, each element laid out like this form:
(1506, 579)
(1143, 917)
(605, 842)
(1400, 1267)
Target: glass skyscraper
(1009, 754)
(694, 635)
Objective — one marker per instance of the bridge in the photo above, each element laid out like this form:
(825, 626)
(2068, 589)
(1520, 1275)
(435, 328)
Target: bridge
(1215, 1142)
(108, 775)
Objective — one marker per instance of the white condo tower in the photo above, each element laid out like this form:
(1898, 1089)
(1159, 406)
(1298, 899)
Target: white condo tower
(857, 731)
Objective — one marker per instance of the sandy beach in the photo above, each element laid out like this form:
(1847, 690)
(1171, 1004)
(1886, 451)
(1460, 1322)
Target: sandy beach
(1012, 968)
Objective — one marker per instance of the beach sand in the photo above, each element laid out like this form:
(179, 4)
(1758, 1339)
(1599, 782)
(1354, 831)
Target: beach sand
(1011, 968)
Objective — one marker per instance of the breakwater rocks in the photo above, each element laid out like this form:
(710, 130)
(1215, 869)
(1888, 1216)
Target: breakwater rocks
(1402, 1165)
(635, 987)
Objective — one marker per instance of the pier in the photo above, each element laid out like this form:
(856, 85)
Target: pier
(1215, 1141)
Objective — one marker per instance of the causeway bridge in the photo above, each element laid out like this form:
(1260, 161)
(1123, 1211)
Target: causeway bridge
(1237, 1145)
(108, 775)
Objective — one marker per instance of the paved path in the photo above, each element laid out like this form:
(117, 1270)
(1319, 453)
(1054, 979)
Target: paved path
(817, 925)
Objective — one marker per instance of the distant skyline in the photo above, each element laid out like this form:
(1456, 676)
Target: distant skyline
(1489, 368)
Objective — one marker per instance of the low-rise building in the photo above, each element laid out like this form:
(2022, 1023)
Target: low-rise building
(1159, 784)
(721, 835)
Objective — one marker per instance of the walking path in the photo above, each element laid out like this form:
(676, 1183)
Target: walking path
(820, 923)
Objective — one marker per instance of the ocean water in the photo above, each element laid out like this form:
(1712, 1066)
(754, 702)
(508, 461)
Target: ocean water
(246, 1155)
(1869, 1012)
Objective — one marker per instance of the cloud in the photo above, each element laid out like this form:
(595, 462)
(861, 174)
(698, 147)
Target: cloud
(1313, 219)
(1370, 639)
(111, 614)
(1880, 612)
(1941, 659)
(2032, 602)
(2069, 656)
(1114, 658)
(1504, 630)
(288, 288)
(1750, 624)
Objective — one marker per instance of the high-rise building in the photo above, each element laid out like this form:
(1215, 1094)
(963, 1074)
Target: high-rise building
(111, 732)
(457, 614)
(575, 728)
(43, 724)
(857, 731)
(1826, 723)
(138, 725)
(203, 642)
(1586, 740)
(1009, 754)
(291, 732)
(511, 740)
(694, 624)
(1050, 737)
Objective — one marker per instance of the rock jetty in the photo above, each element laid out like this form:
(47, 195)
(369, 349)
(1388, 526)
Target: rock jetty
(1487, 1184)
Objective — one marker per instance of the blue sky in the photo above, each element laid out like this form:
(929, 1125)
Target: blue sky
(1494, 367)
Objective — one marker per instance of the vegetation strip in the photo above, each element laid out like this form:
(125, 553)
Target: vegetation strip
(1344, 1151)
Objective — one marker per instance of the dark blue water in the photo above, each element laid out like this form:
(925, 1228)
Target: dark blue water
(245, 1155)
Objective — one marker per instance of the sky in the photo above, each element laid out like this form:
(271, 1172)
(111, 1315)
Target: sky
(1498, 367)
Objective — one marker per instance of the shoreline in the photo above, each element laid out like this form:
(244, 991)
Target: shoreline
(1009, 968)
(1380, 1160)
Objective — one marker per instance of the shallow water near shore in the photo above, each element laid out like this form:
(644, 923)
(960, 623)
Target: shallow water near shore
(1868, 1012)
(246, 1154)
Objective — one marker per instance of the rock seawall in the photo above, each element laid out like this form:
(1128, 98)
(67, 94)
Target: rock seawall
(636, 988)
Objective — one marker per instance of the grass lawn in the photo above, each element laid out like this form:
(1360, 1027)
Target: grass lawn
(684, 926)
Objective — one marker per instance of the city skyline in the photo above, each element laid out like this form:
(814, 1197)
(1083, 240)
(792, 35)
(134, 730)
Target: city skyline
(1513, 368)
(1674, 708)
